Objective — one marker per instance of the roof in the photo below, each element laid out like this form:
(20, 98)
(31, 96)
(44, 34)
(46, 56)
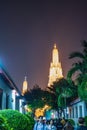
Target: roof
(75, 101)
(6, 77)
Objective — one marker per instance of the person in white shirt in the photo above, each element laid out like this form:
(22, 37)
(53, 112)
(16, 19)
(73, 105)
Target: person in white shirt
(40, 125)
(44, 123)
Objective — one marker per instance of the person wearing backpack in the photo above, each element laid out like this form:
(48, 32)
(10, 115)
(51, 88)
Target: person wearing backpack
(81, 122)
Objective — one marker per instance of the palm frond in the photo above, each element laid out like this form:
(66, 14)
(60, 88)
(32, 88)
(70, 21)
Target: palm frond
(82, 89)
(72, 71)
(84, 43)
(76, 54)
(61, 102)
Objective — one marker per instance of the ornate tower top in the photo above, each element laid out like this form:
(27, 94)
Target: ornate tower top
(55, 71)
(55, 58)
(55, 45)
(25, 86)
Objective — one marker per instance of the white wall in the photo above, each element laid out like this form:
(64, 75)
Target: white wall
(6, 91)
(78, 110)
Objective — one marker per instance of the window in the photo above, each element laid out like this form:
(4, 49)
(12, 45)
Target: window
(70, 111)
(80, 111)
(7, 101)
(76, 108)
(73, 112)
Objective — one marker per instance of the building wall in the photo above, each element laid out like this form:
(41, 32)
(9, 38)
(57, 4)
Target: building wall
(6, 95)
(78, 109)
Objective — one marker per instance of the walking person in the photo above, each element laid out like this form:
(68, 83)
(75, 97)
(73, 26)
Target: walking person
(44, 123)
(51, 125)
(39, 124)
(59, 124)
(81, 122)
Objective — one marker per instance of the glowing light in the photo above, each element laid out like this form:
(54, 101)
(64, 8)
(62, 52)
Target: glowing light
(40, 111)
(55, 72)
(27, 108)
(25, 86)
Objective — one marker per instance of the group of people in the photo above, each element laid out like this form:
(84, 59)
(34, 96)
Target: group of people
(42, 124)
(60, 124)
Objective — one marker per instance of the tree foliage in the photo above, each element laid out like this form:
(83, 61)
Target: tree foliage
(3, 124)
(82, 89)
(63, 90)
(38, 98)
(80, 66)
(16, 120)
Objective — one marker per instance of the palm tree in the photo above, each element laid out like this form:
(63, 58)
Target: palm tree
(52, 91)
(81, 65)
(63, 91)
(81, 68)
(82, 89)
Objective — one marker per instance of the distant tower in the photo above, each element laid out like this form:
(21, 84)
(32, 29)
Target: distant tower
(25, 86)
(55, 71)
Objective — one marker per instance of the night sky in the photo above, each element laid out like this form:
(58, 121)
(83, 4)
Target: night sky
(28, 31)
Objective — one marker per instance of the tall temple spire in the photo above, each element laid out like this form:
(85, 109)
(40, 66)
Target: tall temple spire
(25, 86)
(55, 71)
(55, 58)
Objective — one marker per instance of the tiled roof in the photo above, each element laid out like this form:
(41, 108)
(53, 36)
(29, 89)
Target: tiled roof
(5, 76)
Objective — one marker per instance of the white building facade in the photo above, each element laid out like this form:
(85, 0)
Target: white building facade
(77, 109)
(10, 96)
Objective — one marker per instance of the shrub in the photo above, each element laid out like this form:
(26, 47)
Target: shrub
(3, 124)
(86, 120)
(31, 120)
(16, 120)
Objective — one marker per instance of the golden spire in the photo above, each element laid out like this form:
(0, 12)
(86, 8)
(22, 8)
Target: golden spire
(25, 86)
(55, 58)
(55, 72)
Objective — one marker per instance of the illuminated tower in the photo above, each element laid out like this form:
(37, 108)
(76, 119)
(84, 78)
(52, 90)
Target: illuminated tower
(55, 71)
(25, 86)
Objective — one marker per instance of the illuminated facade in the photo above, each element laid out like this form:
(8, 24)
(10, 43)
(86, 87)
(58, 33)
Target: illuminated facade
(55, 72)
(10, 96)
(25, 86)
